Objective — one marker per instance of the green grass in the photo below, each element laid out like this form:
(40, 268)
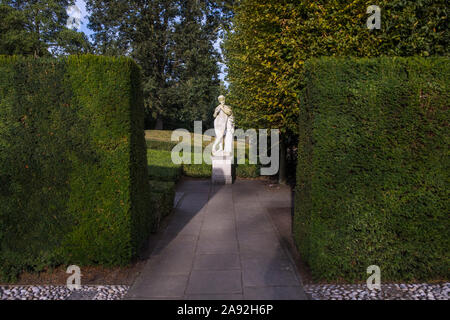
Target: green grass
(203, 170)
(166, 135)
(161, 167)
(157, 186)
(161, 140)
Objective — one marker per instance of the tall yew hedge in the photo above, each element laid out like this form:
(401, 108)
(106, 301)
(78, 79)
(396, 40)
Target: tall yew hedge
(73, 174)
(373, 168)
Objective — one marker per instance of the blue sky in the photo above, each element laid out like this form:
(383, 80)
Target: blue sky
(84, 22)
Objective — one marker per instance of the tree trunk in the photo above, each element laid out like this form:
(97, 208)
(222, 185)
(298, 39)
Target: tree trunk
(282, 172)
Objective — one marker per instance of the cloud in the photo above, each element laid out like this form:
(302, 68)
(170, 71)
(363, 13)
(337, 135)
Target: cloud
(74, 12)
(80, 17)
(82, 6)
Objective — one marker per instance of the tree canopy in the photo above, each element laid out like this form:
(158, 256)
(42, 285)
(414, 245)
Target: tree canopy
(38, 28)
(173, 41)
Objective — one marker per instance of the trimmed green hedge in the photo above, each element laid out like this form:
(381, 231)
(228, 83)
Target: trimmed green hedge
(73, 172)
(192, 170)
(162, 195)
(373, 164)
(248, 170)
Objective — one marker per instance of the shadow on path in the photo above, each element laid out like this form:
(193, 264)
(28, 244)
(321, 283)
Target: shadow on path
(221, 243)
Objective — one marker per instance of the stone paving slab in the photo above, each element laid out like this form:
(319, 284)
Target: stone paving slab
(217, 246)
(177, 199)
(224, 261)
(215, 297)
(221, 244)
(188, 230)
(219, 223)
(223, 234)
(170, 263)
(215, 282)
(266, 272)
(152, 286)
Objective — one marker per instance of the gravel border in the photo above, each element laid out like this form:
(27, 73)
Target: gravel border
(62, 293)
(421, 291)
(316, 292)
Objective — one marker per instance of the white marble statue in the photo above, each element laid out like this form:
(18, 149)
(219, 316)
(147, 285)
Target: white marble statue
(224, 128)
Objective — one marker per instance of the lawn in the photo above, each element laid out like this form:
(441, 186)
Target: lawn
(162, 168)
(161, 140)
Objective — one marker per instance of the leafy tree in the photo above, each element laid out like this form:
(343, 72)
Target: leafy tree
(271, 39)
(35, 27)
(15, 38)
(173, 43)
(72, 42)
(195, 73)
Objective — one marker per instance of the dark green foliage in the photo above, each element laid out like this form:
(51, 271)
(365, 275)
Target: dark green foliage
(247, 170)
(157, 186)
(173, 42)
(372, 176)
(162, 196)
(72, 159)
(14, 36)
(110, 195)
(71, 42)
(142, 212)
(194, 96)
(34, 165)
(34, 27)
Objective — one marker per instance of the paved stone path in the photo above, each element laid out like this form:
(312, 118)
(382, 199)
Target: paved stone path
(221, 244)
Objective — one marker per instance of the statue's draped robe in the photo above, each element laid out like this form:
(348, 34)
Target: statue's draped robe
(223, 126)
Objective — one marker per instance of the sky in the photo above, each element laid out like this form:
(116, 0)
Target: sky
(83, 15)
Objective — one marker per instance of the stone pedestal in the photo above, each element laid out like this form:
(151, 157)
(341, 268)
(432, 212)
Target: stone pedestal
(222, 172)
